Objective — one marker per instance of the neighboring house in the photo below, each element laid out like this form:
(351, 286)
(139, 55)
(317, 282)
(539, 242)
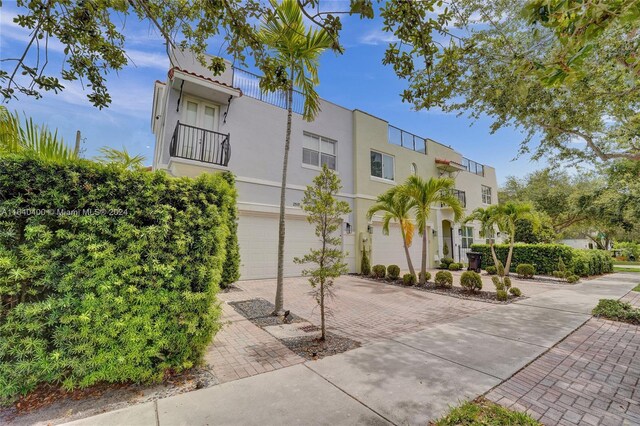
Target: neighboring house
(206, 123)
(582, 243)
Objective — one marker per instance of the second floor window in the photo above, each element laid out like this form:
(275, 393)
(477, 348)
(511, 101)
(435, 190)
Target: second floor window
(317, 151)
(486, 195)
(382, 166)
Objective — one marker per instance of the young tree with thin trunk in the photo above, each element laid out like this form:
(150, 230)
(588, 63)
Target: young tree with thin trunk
(423, 194)
(325, 213)
(488, 221)
(507, 216)
(396, 206)
(294, 53)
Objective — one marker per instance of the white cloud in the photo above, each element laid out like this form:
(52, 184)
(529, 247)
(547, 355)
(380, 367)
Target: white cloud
(376, 37)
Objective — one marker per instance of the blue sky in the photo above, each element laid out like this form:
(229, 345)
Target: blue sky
(356, 79)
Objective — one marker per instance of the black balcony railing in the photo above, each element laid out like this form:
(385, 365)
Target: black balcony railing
(473, 167)
(249, 83)
(461, 195)
(198, 144)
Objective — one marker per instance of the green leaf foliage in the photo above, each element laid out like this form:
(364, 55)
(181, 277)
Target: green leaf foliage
(617, 311)
(545, 258)
(106, 274)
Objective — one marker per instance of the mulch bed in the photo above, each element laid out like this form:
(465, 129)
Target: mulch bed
(230, 289)
(458, 292)
(259, 312)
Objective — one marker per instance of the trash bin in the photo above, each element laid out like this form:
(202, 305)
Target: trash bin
(475, 260)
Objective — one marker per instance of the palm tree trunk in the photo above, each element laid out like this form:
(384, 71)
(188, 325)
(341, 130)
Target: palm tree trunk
(423, 269)
(506, 267)
(406, 250)
(279, 308)
(493, 253)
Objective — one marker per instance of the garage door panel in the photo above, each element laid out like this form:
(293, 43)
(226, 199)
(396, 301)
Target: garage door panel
(389, 249)
(258, 240)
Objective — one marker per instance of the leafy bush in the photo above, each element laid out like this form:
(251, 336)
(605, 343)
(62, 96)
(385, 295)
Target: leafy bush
(446, 261)
(393, 271)
(571, 279)
(231, 268)
(507, 282)
(443, 266)
(525, 270)
(484, 412)
(365, 266)
(409, 279)
(545, 258)
(502, 295)
(491, 270)
(617, 311)
(515, 291)
(444, 279)
(427, 275)
(454, 266)
(471, 281)
(379, 271)
(117, 283)
(497, 283)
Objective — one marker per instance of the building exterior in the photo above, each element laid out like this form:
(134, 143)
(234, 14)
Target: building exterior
(206, 124)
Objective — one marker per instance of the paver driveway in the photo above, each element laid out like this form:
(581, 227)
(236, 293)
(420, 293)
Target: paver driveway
(362, 310)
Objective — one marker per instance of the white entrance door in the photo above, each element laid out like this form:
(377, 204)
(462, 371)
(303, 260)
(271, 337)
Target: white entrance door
(202, 119)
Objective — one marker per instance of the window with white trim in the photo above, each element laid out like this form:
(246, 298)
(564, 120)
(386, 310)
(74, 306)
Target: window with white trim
(318, 150)
(486, 194)
(467, 236)
(382, 166)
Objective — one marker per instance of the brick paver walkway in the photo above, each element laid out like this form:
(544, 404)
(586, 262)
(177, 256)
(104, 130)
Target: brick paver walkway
(633, 297)
(592, 377)
(362, 310)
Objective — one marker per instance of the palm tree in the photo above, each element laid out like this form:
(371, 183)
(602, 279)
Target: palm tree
(488, 219)
(396, 206)
(507, 216)
(27, 138)
(423, 194)
(296, 51)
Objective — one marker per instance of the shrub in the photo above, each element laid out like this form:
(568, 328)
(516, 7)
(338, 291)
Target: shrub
(543, 256)
(591, 262)
(379, 271)
(617, 311)
(446, 261)
(444, 279)
(454, 266)
(122, 289)
(393, 271)
(491, 270)
(231, 268)
(571, 279)
(507, 282)
(525, 270)
(502, 295)
(515, 291)
(497, 283)
(443, 266)
(471, 281)
(427, 275)
(409, 279)
(365, 266)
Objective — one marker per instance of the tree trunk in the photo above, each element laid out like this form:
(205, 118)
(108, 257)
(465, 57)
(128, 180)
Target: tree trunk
(322, 327)
(423, 268)
(279, 308)
(406, 251)
(493, 253)
(508, 265)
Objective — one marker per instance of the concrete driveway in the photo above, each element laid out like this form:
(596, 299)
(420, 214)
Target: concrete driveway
(404, 379)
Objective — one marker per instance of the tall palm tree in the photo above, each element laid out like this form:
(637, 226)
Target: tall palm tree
(423, 194)
(396, 206)
(507, 216)
(19, 136)
(488, 219)
(295, 51)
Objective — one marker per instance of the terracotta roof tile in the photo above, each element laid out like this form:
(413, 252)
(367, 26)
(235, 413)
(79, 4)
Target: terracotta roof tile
(203, 77)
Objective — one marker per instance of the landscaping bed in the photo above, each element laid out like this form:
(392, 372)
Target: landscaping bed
(458, 292)
(484, 412)
(308, 346)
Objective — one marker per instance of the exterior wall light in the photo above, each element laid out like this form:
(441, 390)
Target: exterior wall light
(370, 229)
(460, 232)
(434, 232)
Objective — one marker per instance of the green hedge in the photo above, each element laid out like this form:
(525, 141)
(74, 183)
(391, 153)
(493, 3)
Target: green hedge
(544, 258)
(111, 276)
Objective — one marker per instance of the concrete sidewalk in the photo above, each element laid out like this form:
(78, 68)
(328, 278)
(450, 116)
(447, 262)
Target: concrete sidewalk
(408, 379)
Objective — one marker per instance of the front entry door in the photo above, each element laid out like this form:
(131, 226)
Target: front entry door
(202, 119)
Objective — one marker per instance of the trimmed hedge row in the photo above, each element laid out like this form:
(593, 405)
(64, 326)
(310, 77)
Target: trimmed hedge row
(545, 257)
(107, 275)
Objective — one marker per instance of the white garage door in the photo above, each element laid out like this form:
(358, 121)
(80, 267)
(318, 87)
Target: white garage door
(389, 250)
(258, 240)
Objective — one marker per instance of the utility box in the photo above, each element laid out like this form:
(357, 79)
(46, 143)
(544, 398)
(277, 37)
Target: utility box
(475, 260)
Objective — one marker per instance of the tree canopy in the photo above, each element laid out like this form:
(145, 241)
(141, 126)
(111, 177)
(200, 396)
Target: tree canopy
(565, 73)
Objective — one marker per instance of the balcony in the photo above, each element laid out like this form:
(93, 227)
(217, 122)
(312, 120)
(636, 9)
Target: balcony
(249, 84)
(407, 140)
(473, 167)
(194, 143)
(460, 195)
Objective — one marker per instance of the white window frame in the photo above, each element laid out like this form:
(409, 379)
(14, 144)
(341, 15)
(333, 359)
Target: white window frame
(393, 161)
(464, 239)
(486, 194)
(320, 152)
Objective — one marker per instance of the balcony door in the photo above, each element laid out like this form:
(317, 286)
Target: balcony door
(199, 139)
